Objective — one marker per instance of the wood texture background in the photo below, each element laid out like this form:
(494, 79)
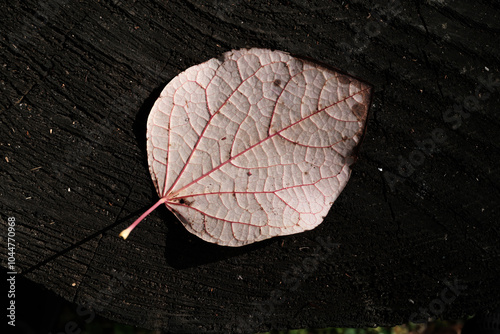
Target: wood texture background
(78, 80)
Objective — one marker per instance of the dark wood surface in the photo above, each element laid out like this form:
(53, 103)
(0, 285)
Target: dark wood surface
(420, 212)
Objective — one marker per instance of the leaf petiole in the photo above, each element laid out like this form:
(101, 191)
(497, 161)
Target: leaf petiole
(124, 234)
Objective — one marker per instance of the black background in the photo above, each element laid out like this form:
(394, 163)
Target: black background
(78, 80)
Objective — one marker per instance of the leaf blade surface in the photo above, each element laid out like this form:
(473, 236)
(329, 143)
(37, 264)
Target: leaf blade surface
(255, 144)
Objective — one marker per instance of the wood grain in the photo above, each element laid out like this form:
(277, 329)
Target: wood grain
(78, 80)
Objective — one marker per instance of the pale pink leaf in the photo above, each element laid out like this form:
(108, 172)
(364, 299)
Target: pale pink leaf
(254, 144)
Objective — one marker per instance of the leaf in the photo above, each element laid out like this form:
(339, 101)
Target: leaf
(253, 145)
